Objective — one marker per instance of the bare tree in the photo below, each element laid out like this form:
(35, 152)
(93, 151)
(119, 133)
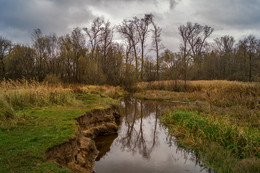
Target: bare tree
(93, 34)
(5, 48)
(172, 61)
(128, 48)
(194, 39)
(225, 47)
(78, 47)
(142, 26)
(185, 51)
(252, 50)
(106, 40)
(157, 45)
(225, 43)
(66, 57)
(39, 45)
(128, 31)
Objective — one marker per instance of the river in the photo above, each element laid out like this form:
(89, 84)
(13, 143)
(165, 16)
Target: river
(143, 144)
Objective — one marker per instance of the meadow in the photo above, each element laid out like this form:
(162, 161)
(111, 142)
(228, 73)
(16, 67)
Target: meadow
(35, 117)
(218, 119)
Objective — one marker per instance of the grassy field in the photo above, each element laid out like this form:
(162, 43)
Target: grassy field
(35, 117)
(200, 85)
(218, 119)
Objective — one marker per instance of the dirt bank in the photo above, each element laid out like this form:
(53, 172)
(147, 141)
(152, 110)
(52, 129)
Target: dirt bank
(79, 153)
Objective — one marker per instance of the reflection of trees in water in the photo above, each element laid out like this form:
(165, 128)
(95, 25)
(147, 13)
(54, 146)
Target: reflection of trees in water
(133, 138)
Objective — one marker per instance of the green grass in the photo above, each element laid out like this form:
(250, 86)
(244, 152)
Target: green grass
(23, 145)
(218, 119)
(222, 144)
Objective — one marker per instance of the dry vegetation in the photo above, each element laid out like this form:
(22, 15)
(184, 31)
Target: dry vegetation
(213, 117)
(19, 95)
(37, 116)
(111, 91)
(201, 85)
(240, 101)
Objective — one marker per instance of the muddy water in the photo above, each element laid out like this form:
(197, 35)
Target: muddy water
(143, 144)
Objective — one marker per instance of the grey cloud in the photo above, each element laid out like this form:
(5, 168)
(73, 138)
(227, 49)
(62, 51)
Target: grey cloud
(50, 16)
(18, 18)
(60, 16)
(238, 18)
(229, 13)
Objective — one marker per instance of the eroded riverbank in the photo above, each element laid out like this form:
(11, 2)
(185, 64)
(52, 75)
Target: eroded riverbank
(79, 153)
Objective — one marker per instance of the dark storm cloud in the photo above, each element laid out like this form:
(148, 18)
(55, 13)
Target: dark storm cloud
(238, 18)
(22, 16)
(18, 18)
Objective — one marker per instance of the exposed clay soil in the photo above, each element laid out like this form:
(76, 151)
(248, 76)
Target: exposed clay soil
(79, 153)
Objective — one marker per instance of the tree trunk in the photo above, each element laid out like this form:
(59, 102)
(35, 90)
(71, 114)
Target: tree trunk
(157, 60)
(250, 67)
(142, 65)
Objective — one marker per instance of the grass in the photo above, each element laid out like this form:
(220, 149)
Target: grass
(35, 117)
(207, 133)
(218, 119)
(243, 142)
(201, 85)
(240, 102)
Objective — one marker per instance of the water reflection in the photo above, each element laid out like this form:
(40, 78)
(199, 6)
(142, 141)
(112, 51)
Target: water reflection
(103, 144)
(140, 134)
(143, 144)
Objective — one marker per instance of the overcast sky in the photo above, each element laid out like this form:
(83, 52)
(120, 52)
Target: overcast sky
(237, 18)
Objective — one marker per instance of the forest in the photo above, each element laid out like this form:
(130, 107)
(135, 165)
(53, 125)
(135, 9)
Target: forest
(92, 55)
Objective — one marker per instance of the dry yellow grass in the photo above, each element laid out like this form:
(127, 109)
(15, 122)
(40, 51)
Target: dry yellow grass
(22, 94)
(33, 92)
(202, 85)
(110, 91)
(18, 95)
(239, 100)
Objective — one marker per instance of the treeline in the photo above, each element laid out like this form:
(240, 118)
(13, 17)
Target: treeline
(91, 55)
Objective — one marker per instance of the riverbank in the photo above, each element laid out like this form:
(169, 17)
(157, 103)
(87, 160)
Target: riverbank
(143, 144)
(218, 119)
(79, 153)
(38, 117)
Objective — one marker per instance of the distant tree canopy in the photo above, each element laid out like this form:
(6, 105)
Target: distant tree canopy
(92, 56)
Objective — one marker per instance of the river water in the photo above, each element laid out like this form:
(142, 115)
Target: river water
(143, 144)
